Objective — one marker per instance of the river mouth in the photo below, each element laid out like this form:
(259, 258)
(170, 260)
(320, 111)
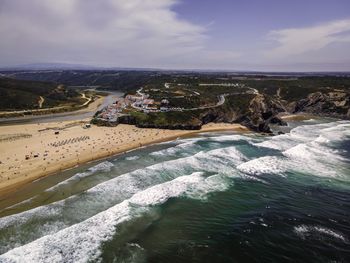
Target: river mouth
(219, 197)
(65, 116)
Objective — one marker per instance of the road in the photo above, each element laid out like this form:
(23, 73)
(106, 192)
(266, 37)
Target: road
(220, 102)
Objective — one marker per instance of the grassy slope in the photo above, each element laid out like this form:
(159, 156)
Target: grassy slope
(290, 90)
(22, 94)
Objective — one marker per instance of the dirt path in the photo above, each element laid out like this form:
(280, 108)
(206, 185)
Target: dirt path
(41, 101)
(88, 99)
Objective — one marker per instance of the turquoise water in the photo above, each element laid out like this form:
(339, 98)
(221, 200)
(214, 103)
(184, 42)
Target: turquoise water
(218, 197)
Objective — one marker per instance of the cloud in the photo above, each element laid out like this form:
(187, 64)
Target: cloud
(149, 33)
(297, 41)
(104, 32)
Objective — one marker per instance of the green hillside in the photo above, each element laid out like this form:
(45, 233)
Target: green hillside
(23, 94)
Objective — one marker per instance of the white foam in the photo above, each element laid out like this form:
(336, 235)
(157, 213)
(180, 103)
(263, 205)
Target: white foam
(234, 137)
(188, 146)
(305, 231)
(336, 133)
(21, 218)
(263, 165)
(24, 202)
(82, 242)
(317, 157)
(101, 167)
(180, 148)
(281, 142)
(310, 120)
(251, 178)
(313, 151)
(120, 188)
(306, 133)
(228, 155)
(310, 158)
(132, 158)
(302, 153)
(309, 149)
(194, 185)
(322, 139)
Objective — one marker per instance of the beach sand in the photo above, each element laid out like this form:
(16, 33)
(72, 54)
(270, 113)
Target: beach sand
(296, 117)
(31, 151)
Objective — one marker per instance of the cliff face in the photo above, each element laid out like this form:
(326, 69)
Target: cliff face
(262, 112)
(263, 109)
(256, 112)
(333, 104)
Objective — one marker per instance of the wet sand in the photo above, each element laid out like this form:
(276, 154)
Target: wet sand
(31, 151)
(297, 117)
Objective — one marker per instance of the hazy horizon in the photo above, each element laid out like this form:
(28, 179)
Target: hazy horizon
(70, 66)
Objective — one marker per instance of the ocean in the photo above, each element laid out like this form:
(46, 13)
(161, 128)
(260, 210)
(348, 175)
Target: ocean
(216, 197)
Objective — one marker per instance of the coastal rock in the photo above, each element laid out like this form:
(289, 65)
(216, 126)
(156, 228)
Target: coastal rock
(261, 112)
(333, 104)
(256, 112)
(278, 121)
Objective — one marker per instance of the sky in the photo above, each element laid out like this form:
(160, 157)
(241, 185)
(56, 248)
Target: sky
(262, 35)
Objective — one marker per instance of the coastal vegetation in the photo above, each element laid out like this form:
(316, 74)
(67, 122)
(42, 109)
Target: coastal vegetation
(28, 97)
(21, 94)
(254, 101)
(192, 98)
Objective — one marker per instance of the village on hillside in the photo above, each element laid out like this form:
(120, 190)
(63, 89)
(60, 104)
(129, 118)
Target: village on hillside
(171, 97)
(140, 102)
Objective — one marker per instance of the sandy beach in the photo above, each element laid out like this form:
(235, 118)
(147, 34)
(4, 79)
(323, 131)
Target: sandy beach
(296, 117)
(31, 151)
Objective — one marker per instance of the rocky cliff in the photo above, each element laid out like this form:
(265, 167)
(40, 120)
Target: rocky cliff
(257, 112)
(333, 104)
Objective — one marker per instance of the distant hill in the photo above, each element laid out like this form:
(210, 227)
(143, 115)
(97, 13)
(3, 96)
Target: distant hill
(23, 94)
(104, 79)
(68, 66)
(51, 66)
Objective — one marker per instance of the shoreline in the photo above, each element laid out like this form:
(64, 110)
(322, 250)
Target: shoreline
(92, 144)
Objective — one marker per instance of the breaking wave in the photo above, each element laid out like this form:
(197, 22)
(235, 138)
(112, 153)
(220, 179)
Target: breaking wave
(81, 242)
(306, 231)
(74, 229)
(104, 195)
(101, 167)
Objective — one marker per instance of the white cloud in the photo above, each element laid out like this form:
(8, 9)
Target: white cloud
(149, 33)
(296, 41)
(104, 32)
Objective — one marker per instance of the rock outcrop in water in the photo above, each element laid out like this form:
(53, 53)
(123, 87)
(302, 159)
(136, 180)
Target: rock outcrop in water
(262, 112)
